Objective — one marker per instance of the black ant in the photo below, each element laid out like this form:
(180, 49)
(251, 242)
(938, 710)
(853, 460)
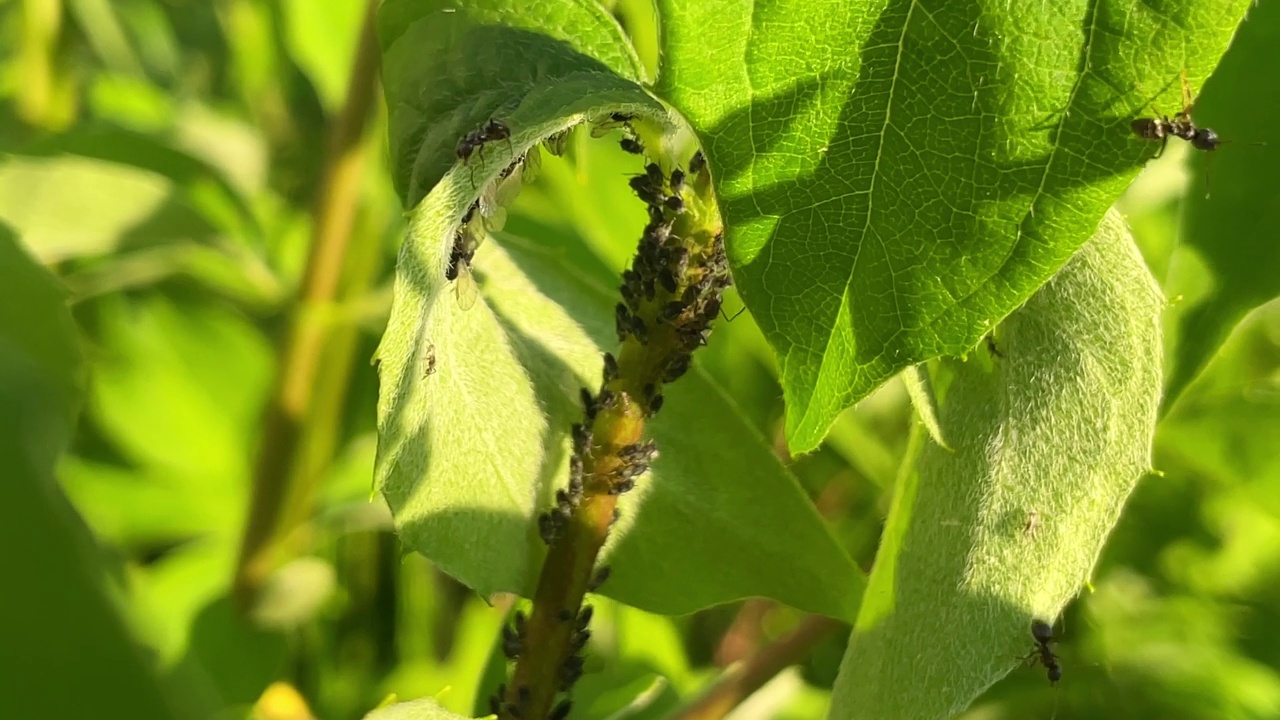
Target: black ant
(1043, 634)
(474, 141)
(1180, 125)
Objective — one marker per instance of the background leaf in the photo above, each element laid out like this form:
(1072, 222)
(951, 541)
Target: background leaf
(1233, 208)
(60, 626)
(1048, 445)
(897, 176)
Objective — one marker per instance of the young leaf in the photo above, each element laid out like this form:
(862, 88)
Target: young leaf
(898, 176)
(535, 66)
(471, 451)
(1048, 445)
(1232, 211)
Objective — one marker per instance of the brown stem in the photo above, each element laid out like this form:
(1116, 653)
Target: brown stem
(276, 505)
(740, 682)
(670, 295)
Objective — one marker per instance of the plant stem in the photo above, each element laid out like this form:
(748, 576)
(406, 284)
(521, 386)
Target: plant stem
(280, 501)
(739, 682)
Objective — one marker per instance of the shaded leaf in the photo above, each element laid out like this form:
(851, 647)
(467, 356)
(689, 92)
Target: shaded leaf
(1048, 445)
(60, 626)
(1234, 230)
(898, 176)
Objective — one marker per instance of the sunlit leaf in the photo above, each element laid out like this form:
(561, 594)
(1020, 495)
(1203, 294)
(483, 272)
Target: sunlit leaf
(896, 177)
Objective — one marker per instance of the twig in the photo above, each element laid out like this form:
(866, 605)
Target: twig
(277, 502)
(739, 682)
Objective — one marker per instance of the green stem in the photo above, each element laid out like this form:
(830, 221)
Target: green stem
(282, 495)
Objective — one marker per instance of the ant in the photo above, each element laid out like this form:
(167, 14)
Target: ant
(1043, 634)
(474, 141)
(1180, 125)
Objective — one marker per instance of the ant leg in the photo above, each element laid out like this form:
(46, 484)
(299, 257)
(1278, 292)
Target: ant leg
(735, 315)
(1164, 141)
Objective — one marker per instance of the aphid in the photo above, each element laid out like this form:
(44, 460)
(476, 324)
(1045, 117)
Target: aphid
(560, 711)
(1032, 524)
(512, 644)
(615, 120)
(698, 163)
(655, 404)
(570, 671)
(679, 366)
(639, 329)
(521, 621)
(677, 180)
(513, 710)
(579, 640)
(547, 528)
(645, 191)
(581, 438)
(1042, 653)
(610, 367)
(564, 615)
(458, 269)
(641, 451)
(1180, 125)
(584, 617)
(672, 310)
(674, 203)
(667, 278)
(495, 700)
(588, 403)
(631, 145)
(680, 261)
(623, 486)
(429, 361)
(556, 142)
(622, 316)
(599, 579)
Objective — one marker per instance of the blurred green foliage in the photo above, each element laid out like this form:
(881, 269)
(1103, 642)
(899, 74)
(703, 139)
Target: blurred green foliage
(161, 158)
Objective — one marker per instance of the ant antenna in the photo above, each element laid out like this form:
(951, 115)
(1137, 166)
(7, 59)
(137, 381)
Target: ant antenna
(735, 315)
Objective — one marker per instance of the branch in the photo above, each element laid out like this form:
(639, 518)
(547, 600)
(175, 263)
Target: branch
(739, 682)
(281, 495)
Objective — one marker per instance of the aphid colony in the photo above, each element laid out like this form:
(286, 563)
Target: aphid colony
(670, 295)
(513, 638)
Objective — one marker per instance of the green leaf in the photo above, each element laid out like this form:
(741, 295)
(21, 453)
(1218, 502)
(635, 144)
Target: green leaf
(420, 709)
(537, 65)
(473, 444)
(1048, 445)
(897, 176)
(58, 603)
(1233, 231)
(321, 37)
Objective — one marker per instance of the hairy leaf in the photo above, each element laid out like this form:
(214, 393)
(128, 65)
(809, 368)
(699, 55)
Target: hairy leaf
(1049, 440)
(449, 67)
(898, 175)
(1233, 210)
